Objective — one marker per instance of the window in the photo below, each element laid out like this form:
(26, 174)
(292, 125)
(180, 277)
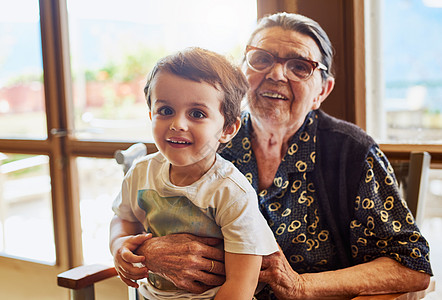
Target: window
(72, 74)
(99, 181)
(404, 92)
(404, 71)
(21, 72)
(26, 208)
(112, 51)
(25, 184)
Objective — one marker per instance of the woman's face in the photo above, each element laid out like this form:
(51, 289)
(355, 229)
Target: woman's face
(272, 97)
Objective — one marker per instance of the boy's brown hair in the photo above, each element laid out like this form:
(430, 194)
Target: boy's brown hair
(202, 65)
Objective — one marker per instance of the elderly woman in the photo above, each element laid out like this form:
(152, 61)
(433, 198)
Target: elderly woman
(325, 187)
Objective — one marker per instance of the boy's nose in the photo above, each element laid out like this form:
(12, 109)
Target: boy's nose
(178, 124)
(276, 73)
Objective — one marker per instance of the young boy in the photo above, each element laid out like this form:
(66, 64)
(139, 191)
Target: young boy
(194, 99)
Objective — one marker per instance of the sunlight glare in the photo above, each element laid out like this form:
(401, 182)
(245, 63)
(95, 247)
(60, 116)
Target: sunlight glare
(19, 11)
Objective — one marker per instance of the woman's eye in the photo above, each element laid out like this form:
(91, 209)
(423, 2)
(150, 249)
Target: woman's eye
(197, 114)
(165, 111)
(261, 60)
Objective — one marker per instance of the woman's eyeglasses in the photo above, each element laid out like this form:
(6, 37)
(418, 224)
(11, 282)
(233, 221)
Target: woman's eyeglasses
(295, 69)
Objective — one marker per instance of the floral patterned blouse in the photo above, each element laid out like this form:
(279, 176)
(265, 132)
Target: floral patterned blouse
(381, 225)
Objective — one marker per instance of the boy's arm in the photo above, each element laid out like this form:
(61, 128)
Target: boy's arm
(125, 238)
(120, 228)
(242, 272)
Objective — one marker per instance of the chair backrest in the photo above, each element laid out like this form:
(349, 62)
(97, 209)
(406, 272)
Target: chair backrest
(127, 157)
(412, 177)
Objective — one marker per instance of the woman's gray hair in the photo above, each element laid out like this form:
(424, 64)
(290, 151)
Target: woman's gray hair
(303, 25)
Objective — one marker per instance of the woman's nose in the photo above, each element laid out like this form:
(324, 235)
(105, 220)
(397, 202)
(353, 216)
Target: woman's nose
(276, 73)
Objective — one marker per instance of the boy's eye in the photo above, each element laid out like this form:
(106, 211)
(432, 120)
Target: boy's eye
(165, 111)
(197, 114)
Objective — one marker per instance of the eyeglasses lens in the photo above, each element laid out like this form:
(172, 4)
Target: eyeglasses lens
(259, 60)
(295, 69)
(298, 68)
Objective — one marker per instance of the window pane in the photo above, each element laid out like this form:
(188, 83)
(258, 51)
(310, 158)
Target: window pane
(22, 109)
(113, 49)
(100, 181)
(25, 207)
(409, 107)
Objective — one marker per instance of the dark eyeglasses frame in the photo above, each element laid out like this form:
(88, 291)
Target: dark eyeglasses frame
(315, 65)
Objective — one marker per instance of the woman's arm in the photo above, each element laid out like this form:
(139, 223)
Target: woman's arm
(380, 276)
(242, 272)
(185, 260)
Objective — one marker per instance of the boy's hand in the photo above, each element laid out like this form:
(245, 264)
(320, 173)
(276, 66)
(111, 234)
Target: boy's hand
(129, 266)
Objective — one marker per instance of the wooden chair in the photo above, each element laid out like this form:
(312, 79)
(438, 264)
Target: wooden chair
(127, 157)
(411, 176)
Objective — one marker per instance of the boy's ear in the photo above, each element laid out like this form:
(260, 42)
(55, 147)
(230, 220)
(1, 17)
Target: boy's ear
(230, 131)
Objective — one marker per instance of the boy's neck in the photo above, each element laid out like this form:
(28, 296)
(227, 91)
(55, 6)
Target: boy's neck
(186, 175)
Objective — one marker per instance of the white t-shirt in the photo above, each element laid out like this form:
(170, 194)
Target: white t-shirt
(221, 204)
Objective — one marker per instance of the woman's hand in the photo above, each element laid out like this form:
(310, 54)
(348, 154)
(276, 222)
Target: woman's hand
(380, 276)
(277, 272)
(185, 260)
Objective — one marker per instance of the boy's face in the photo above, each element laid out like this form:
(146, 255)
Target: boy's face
(186, 120)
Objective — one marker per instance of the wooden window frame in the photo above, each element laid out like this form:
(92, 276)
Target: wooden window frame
(60, 145)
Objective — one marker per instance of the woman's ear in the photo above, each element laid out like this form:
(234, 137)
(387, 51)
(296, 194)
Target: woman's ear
(230, 132)
(327, 88)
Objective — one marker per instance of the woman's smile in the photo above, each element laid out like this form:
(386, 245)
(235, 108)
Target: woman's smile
(273, 95)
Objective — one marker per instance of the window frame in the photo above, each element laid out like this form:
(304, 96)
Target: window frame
(60, 145)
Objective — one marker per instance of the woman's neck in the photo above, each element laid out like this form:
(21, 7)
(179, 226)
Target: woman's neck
(269, 143)
(273, 136)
